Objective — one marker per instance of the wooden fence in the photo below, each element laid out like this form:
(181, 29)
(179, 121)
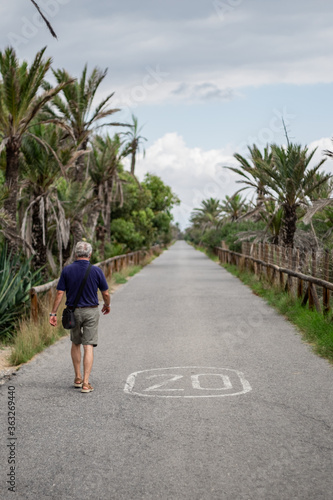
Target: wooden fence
(109, 266)
(305, 274)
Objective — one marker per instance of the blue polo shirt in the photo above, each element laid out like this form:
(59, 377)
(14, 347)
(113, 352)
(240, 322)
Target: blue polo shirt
(71, 279)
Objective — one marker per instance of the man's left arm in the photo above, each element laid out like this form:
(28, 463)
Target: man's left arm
(56, 304)
(107, 299)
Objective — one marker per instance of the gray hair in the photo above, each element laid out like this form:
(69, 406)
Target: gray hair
(83, 249)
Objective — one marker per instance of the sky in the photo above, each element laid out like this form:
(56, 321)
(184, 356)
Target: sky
(205, 78)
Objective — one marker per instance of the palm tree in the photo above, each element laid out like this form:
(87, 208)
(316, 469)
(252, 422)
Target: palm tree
(291, 181)
(324, 189)
(250, 170)
(208, 215)
(20, 102)
(104, 173)
(273, 216)
(73, 111)
(134, 142)
(74, 201)
(234, 206)
(45, 157)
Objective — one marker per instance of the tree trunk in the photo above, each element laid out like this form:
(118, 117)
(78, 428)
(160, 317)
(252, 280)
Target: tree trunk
(94, 212)
(100, 236)
(289, 225)
(79, 173)
(108, 212)
(38, 243)
(92, 221)
(12, 173)
(77, 231)
(133, 161)
(66, 253)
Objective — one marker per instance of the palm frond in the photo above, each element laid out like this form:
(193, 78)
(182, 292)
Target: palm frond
(45, 20)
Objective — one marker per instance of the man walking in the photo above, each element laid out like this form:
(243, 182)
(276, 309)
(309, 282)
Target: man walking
(86, 313)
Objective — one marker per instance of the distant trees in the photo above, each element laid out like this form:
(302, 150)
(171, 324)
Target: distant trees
(286, 184)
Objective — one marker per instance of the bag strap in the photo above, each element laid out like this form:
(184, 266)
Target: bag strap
(79, 293)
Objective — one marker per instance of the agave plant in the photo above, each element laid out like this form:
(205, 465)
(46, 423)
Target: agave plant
(16, 279)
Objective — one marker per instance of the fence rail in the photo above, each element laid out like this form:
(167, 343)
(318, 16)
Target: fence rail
(289, 268)
(108, 266)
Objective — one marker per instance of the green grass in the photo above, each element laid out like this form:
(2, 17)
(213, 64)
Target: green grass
(122, 276)
(119, 278)
(32, 338)
(316, 329)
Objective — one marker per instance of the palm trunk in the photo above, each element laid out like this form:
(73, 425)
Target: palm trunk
(100, 236)
(133, 160)
(79, 174)
(95, 210)
(289, 225)
(92, 222)
(108, 212)
(38, 238)
(12, 173)
(66, 253)
(77, 232)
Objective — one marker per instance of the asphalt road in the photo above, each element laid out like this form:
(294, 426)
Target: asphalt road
(202, 391)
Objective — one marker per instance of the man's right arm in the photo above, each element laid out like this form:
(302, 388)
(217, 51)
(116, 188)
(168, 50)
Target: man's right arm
(56, 304)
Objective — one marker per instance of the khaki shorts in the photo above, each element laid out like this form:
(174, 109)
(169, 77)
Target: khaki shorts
(86, 329)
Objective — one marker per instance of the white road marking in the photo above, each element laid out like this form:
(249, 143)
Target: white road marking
(191, 382)
(157, 387)
(196, 383)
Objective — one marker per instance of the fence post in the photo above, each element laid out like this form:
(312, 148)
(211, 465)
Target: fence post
(313, 290)
(289, 285)
(299, 281)
(326, 292)
(268, 270)
(259, 256)
(272, 261)
(34, 305)
(281, 258)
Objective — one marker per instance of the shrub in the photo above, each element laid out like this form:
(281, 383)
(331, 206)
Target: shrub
(16, 279)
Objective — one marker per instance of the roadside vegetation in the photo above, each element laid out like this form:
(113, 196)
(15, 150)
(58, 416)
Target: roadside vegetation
(316, 329)
(65, 175)
(291, 206)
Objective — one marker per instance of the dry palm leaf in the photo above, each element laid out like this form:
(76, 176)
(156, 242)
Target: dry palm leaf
(45, 20)
(316, 207)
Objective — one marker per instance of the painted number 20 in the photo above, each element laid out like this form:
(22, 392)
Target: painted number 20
(195, 380)
(187, 382)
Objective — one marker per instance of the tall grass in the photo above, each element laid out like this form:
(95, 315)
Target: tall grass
(32, 338)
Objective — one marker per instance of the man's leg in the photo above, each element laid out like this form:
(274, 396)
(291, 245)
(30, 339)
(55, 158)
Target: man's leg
(76, 358)
(88, 358)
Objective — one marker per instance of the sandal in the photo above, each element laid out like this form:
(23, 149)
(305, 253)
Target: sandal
(78, 382)
(87, 388)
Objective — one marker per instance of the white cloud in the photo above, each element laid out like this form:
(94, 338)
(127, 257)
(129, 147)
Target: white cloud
(193, 173)
(253, 43)
(205, 91)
